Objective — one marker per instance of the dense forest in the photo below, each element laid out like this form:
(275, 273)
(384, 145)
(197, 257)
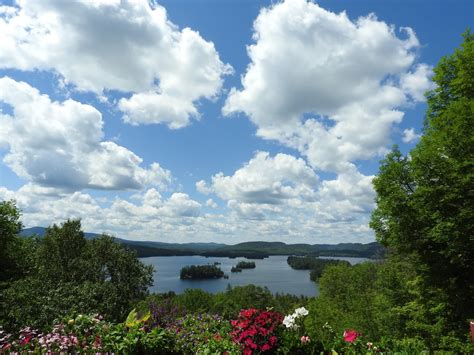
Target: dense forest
(64, 293)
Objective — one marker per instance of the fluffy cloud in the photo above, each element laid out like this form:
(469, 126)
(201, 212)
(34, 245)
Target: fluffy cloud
(130, 46)
(284, 187)
(410, 136)
(265, 180)
(326, 85)
(59, 144)
(349, 196)
(42, 206)
(178, 218)
(417, 82)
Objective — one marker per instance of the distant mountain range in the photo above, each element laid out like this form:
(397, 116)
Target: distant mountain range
(251, 250)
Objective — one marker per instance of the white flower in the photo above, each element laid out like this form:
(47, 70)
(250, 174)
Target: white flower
(289, 322)
(299, 312)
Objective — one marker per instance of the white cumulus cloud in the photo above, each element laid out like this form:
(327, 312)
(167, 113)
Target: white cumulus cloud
(60, 144)
(125, 45)
(327, 85)
(265, 180)
(417, 82)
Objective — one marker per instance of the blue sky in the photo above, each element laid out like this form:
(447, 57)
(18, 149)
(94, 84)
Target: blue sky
(213, 120)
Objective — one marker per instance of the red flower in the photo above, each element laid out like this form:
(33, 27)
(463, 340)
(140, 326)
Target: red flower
(350, 335)
(273, 340)
(255, 330)
(247, 313)
(26, 340)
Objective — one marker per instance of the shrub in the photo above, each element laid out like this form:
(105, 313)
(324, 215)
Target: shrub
(203, 333)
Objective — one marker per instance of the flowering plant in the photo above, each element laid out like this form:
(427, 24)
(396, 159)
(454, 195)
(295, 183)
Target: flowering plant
(74, 335)
(290, 321)
(348, 341)
(350, 335)
(255, 330)
(295, 336)
(203, 333)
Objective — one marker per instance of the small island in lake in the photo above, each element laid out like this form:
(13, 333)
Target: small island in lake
(196, 272)
(245, 265)
(235, 269)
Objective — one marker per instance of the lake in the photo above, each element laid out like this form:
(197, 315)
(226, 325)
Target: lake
(272, 272)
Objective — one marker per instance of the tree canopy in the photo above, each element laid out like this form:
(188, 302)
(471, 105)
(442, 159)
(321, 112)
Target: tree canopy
(425, 201)
(68, 273)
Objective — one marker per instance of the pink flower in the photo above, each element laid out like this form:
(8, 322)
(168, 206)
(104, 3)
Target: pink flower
(305, 339)
(350, 335)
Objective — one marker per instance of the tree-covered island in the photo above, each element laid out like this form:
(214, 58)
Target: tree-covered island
(246, 265)
(243, 265)
(196, 272)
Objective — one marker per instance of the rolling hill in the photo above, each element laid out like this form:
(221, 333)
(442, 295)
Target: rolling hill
(251, 250)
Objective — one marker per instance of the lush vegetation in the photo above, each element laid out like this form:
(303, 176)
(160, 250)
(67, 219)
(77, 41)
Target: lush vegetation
(195, 272)
(417, 300)
(45, 279)
(425, 201)
(314, 264)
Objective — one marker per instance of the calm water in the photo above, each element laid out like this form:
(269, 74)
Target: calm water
(272, 272)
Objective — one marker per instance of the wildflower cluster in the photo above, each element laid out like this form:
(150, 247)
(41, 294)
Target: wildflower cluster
(256, 330)
(165, 314)
(79, 334)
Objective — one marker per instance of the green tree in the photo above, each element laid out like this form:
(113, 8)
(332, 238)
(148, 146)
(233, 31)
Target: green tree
(10, 245)
(60, 256)
(425, 202)
(69, 274)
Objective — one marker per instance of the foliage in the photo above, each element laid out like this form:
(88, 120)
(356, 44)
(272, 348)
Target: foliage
(165, 313)
(70, 274)
(168, 307)
(10, 226)
(425, 201)
(347, 300)
(195, 301)
(312, 263)
(90, 334)
(194, 272)
(203, 333)
(294, 338)
(384, 303)
(256, 331)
